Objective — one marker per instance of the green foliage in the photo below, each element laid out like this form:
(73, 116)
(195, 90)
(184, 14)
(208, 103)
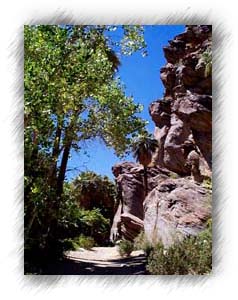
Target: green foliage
(67, 76)
(141, 243)
(84, 242)
(173, 175)
(193, 255)
(116, 115)
(144, 145)
(71, 95)
(133, 39)
(77, 227)
(74, 220)
(95, 221)
(95, 191)
(125, 247)
(207, 183)
(81, 241)
(206, 60)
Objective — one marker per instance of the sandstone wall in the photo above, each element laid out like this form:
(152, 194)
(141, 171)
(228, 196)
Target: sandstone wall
(185, 112)
(177, 204)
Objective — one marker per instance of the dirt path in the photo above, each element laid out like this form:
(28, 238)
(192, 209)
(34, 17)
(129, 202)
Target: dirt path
(99, 261)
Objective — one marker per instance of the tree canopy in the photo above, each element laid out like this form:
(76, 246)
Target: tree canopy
(72, 94)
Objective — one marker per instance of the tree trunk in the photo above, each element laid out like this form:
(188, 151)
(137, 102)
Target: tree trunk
(53, 235)
(68, 139)
(55, 154)
(62, 171)
(28, 205)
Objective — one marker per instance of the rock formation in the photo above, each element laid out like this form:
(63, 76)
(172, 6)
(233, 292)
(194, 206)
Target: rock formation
(177, 204)
(174, 209)
(185, 112)
(128, 219)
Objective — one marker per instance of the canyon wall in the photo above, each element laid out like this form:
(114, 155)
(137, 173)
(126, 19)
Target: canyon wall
(178, 203)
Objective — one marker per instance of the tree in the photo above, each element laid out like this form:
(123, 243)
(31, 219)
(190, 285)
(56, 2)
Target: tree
(143, 148)
(71, 95)
(95, 191)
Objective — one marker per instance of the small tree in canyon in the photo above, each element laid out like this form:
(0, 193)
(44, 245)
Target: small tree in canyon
(143, 148)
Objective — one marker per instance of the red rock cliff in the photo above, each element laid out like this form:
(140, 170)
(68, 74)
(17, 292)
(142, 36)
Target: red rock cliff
(185, 112)
(174, 207)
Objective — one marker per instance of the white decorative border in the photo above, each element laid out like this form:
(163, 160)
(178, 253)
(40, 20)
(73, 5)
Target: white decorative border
(222, 15)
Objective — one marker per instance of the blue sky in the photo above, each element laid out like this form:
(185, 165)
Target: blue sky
(141, 76)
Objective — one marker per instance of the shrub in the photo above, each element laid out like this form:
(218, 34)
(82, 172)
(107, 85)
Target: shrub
(81, 241)
(206, 61)
(95, 191)
(173, 175)
(207, 183)
(74, 220)
(193, 255)
(141, 243)
(85, 242)
(125, 248)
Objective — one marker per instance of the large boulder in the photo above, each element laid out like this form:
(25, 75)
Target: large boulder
(176, 208)
(129, 215)
(130, 189)
(131, 226)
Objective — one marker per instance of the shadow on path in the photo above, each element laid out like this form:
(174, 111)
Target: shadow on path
(123, 266)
